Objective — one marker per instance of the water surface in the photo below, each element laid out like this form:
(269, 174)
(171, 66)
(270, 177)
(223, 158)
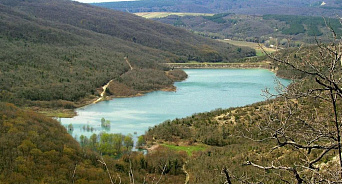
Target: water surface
(204, 90)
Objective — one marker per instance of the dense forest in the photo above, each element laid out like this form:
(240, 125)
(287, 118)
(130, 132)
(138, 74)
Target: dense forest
(247, 7)
(62, 51)
(37, 149)
(258, 28)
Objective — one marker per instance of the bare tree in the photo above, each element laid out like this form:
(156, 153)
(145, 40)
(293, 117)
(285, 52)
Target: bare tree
(130, 172)
(109, 175)
(225, 172)
(74, 173)
(307, 118)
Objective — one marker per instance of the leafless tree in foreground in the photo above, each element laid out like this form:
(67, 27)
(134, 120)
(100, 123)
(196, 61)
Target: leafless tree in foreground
(307, 119)
(225, 172)
(109, 175)
(130, 173)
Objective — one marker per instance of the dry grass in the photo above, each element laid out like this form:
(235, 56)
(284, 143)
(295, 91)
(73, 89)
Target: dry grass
(252, 45)
(151, 15)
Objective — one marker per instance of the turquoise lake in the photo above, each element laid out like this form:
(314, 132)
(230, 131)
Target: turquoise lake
(204, 90)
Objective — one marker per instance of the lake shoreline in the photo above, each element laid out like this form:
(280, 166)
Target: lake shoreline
(258, 65)
(170, 88)
(254, 65)
(203, 91)
(70, 113)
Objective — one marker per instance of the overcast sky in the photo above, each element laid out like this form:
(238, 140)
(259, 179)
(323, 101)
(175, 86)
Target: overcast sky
(98, 1)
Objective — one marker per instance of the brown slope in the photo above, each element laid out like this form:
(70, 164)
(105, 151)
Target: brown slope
(131, 28)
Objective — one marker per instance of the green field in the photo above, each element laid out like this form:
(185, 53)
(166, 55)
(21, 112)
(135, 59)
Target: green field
(152, 15)
(188, 149)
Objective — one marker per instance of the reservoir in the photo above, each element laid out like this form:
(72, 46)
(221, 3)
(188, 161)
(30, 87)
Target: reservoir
(204, 90)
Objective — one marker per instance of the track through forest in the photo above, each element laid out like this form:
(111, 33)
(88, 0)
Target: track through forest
(129, 64)
(105, 86)
(103, 92)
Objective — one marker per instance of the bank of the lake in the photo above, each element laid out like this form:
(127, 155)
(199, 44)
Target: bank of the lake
(204, 90)
(252, 65)
(134, 83)
(69, 113)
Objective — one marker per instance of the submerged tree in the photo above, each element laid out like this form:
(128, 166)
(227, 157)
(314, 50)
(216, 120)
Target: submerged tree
(70, 127)
(105, 124)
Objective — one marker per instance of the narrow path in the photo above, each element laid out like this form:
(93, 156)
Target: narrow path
(187, 177)
(103, 92)
(105, 86)
(129, 64)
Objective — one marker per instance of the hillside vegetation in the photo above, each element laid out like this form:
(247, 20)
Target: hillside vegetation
(272, 29)
(36, 149)
(248, 7)
(62, 51)
(293, 138)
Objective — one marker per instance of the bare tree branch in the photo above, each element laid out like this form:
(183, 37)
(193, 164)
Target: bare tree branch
(309, 130)
(130, 172)
(74, 173)
(104, 163)
(226, 174)
(161, 174)
(272, 167)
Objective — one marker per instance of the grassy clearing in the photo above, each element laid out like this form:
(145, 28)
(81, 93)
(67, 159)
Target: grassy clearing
(188, 149)
(152, 15)
(252, 45)
(259, 52)
(58, 113)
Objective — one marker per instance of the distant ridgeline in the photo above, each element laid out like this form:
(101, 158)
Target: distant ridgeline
(249, 28)
(250, 7)
(310, 25)
(62, 51)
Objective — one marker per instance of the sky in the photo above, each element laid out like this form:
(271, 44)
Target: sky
(98, 1)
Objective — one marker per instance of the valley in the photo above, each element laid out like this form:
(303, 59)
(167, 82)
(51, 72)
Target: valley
(69, 57)
(178, 92)
(271, 30)
(246, 7)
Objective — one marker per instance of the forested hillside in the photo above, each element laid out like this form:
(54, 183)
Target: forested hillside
(62, 51)
(249, 7)
(37, 149)
(258, 28)
(59, 53)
